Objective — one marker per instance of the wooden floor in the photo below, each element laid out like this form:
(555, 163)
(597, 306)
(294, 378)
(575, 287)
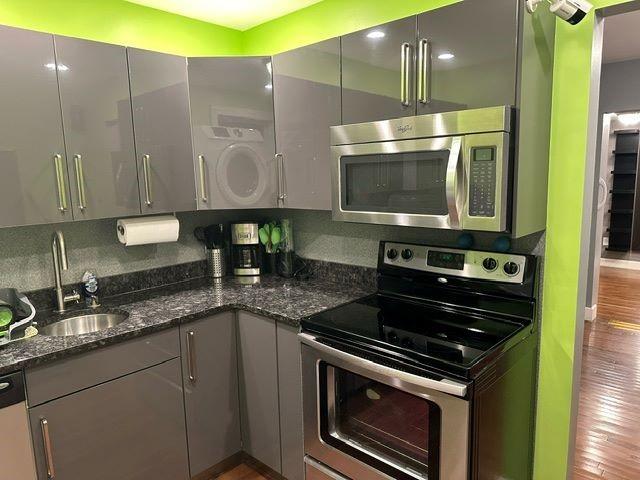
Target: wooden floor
(241, 472)
(608, 441)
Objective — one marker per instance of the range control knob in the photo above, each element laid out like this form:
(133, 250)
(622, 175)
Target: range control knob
(511, 268)
(490, 264)
(392, 254)
(407, 254)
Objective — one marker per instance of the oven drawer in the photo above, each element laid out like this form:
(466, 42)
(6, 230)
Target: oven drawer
(315, 470)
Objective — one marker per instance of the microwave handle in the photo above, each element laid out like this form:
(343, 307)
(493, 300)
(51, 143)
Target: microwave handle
(451, 184)
(445, 386)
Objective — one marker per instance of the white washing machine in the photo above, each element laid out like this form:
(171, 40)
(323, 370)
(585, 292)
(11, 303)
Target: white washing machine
(236, 160)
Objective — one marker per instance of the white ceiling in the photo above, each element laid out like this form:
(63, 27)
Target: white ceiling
(622, 37)
(238, 14)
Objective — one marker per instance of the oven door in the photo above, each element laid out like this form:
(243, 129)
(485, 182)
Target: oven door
(367, 420)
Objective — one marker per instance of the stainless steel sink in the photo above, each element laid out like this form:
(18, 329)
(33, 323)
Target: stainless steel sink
(83, 324)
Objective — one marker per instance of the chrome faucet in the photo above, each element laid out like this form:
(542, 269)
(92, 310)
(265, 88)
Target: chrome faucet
(59, 251)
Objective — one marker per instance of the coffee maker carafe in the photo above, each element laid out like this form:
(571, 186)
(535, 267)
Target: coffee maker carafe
(245, 249)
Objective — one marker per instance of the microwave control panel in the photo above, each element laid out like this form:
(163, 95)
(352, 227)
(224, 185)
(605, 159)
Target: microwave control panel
(482, 182)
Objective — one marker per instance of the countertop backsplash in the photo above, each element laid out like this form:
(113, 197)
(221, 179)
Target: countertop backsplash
(26, 264)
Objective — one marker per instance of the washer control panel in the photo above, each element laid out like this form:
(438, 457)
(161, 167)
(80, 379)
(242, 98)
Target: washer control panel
(493, 266)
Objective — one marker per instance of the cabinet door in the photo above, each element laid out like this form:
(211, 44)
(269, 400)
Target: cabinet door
(131, 428)
(290, 392)
(233, 132)
(482, 37)
(160, 98)
(210, 373)
(372, 72)
(307, 102)
(34, 182)
(98, 128)
(259, 410)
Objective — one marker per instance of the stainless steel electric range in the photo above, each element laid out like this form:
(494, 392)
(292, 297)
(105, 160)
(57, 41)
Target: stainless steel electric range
(433, 377)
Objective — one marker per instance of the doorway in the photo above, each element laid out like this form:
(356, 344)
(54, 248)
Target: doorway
(608, 423)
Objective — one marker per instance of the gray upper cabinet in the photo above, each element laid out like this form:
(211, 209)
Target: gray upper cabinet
(98, 129)
(258, 373)
(160, 98)
(210, 373)
(233, 132)
(131, 428)
(34, 186)
(307, 102)
(470, 52)
(378, 72)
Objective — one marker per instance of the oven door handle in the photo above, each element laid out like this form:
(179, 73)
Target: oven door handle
(445, 386)
(451, 185)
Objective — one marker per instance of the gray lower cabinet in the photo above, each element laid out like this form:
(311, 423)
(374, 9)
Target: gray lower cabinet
(160, 99)
(98, 128)
(290, 396)
(131, 428)
(306, 91)
(258, 373)
(482, 37)
(233, 132)
(372, 72)
(34, 185)
(210, 374)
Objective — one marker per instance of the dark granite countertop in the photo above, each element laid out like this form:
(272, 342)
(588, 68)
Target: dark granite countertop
(153, 310)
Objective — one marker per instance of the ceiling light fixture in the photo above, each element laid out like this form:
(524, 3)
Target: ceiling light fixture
(376, 34)
(446, 56)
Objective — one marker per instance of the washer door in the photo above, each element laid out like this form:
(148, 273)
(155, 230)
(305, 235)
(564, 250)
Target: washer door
(241, 175)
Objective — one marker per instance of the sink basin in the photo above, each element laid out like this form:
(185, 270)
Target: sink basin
(83, 324)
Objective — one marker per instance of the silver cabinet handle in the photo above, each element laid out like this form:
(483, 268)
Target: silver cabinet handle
(405, 74)
(82, 200)
(148, 192)
(203, 181)
(283, 179)
(62, 190)
(452, 182)
(424, 73)
(191, 355)
(280, 192)
(48, 454)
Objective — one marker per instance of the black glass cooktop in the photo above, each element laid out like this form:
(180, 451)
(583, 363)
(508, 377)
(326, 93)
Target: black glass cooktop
(425, 333)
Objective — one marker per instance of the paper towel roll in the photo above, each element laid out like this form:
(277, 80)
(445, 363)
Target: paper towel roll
(145, 230)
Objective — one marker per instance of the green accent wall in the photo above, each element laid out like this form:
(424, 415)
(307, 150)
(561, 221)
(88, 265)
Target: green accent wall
(327, 19)
(120, 22)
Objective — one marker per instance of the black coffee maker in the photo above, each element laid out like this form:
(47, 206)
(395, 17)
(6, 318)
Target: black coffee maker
(245, 249)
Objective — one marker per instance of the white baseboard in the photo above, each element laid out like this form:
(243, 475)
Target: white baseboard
(590, 313)
(615, 263)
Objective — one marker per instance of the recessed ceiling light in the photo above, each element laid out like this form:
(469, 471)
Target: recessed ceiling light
(446, 56)
(376, 34)
(268, 86)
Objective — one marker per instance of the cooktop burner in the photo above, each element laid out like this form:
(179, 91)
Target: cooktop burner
(425, 316)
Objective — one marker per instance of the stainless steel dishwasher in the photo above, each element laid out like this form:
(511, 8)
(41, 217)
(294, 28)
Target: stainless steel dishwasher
(16, 449)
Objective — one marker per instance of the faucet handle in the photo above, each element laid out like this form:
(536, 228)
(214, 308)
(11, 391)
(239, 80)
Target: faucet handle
(93, 301)
(74, 296)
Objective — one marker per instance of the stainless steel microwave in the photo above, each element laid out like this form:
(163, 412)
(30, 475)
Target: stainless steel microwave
(448, 170)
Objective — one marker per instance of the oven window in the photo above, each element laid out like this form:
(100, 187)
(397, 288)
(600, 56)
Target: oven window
(409, 182)
(389, 429)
